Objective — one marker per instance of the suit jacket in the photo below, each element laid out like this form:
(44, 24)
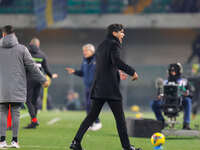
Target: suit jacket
(108, 63)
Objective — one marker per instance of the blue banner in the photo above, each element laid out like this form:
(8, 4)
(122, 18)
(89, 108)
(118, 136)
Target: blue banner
(48, 12)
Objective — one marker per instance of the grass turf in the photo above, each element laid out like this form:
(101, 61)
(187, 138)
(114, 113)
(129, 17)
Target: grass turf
(59, 135)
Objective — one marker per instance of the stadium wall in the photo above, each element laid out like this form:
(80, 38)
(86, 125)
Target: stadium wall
(141, 46)
(171, 20)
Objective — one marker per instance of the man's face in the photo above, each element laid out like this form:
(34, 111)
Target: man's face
(3, 34)
(70, 96)
(87, 53)
(173, 72)
(38, 43)
(120, 35)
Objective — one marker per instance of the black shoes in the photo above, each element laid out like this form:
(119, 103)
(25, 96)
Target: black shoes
(75, 145)
(32, 125)
(186, 126)
(133, 148)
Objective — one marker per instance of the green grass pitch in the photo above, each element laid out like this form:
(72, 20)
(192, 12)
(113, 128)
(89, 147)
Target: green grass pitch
(58, 136)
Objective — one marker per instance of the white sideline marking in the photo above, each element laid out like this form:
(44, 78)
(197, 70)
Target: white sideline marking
(24, 115)
(53, 121)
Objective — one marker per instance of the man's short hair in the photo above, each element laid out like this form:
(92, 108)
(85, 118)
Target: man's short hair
(89, 47)
(114, 28)
(35, 41)
(8, 29)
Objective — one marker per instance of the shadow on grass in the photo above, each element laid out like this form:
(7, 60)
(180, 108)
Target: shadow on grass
(182, 138)
(168, 138)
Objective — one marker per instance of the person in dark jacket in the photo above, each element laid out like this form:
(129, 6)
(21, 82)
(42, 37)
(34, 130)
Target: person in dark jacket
(33, 86)
(15, 60)
(87, 72)
(106, 86)
(175, 76)
(194, 79)
(195, 50)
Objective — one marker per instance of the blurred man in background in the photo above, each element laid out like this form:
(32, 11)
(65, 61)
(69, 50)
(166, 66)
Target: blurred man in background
(195, 50)
(195, 74)
(33, 86)
(15, 60)
(106, 86)
(87, 72)
(72, 101)
(195, 82)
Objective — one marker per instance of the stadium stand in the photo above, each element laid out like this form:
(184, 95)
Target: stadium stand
(74, 6)
(18, 7)
(158, 6)
(109, 6)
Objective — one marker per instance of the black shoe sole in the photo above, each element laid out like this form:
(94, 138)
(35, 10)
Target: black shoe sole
(73, 148)
(29, 128)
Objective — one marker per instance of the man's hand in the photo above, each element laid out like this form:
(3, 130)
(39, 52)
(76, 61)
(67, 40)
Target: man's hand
(55, 75)
(186, 93)
(70, 70)
(135, 76)
(45, 84)
(123, 76)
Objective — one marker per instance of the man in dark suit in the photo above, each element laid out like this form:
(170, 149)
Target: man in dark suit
(106, 86)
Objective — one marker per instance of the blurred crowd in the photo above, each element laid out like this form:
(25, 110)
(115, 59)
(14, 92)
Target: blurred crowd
(118, 6)
(185, 6)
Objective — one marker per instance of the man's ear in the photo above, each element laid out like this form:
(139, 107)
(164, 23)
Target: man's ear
(114, 33)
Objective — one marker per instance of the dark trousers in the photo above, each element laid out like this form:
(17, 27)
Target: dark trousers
(33, 92)
(196, 97)
(117, 109)
(156, 107)
(88, 102)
